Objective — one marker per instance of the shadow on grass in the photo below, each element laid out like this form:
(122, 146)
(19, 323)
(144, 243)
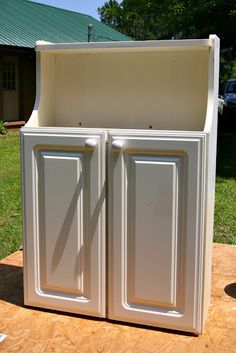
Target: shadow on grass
(226, 155)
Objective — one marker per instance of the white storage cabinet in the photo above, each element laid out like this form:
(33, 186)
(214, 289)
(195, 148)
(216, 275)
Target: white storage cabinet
(118, 169)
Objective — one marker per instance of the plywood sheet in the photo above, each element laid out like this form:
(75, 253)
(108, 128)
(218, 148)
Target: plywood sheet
(31, 330)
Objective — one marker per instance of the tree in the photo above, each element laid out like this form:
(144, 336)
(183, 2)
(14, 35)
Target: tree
(142, 19)
(110, 13)
(167, 19)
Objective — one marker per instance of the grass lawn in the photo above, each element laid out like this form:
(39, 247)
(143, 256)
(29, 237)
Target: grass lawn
(225, 196)
(10, 198)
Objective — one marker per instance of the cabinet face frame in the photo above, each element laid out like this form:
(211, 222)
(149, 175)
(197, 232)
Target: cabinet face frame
(183, 155)
(63, 183)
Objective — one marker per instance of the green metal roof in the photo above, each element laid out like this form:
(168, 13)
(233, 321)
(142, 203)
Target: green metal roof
(22, 23)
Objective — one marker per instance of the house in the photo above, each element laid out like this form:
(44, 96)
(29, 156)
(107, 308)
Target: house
(22, 23)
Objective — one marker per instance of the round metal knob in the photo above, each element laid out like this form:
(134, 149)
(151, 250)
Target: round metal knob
(90, 143)
(117, 145)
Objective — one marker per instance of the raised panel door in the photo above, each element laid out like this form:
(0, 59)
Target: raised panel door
(64, 220)
(156, 227)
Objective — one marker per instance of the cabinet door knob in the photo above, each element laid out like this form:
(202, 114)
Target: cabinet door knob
(90, 143)
(117, 145)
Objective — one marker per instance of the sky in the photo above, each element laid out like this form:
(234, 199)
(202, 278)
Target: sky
(88, 7)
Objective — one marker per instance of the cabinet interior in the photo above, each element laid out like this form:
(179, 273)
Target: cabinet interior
(141, 89)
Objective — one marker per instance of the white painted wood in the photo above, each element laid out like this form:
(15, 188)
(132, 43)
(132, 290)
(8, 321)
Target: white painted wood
(156, 229)
(211, 129)
(156, 85)
(117, 145)
(90, 143)
(64, 220)
(157, 101)
(68, 48)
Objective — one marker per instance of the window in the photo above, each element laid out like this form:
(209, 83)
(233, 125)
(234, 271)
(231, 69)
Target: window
(231, 88)
(9, 75)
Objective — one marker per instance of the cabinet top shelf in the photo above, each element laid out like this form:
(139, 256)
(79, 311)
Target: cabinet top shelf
(155, 45)
(159, 85)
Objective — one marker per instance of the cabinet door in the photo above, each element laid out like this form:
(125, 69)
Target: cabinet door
(156, 228)
(64, 219)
